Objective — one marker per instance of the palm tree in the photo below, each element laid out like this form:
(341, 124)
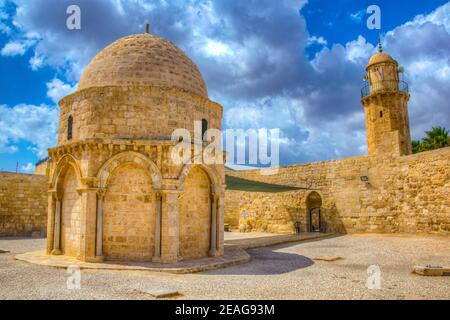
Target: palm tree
(437, 138)
(416, 146)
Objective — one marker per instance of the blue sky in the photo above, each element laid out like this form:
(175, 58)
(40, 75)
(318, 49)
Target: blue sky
(289, 64)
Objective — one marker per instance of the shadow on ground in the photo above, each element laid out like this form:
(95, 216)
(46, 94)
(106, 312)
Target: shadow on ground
(270, 261)
(266, 261)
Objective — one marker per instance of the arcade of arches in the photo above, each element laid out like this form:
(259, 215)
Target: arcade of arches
(129, 217)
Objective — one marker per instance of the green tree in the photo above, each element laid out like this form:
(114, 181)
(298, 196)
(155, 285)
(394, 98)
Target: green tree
(416, 146)
(437, 138)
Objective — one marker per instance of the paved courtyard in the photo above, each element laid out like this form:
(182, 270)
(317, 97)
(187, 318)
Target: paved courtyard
(280, 272)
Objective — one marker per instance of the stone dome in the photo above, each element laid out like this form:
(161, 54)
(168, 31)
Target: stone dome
(143, 60)
(381, 57)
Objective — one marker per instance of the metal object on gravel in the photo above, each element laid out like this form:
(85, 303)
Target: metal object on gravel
(4, 251)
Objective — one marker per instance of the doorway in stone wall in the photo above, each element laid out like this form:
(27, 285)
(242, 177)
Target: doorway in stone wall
(314, 218)
(314, 205)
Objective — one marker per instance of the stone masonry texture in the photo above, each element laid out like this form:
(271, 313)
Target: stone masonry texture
(408, 194)
(23, 204)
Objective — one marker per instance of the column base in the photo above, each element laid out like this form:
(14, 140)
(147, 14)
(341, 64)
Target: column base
(56, 252)
(214, 253)
(97, 259)
(157, 259)
(170, 259)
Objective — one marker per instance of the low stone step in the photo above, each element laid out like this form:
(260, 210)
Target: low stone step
(328, 258)
(432, 271)
(163, 293)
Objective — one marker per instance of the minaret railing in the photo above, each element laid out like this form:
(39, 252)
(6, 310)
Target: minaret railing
(384, 86)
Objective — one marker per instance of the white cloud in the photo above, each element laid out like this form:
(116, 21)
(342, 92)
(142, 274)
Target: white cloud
(357, 16)
(317, 40)
(358, 50)
(56, 89)
(13, 49)
(28, 168)
(440, 16)
(256, 66)
(37, 125)
(217, 48)
(36, 62)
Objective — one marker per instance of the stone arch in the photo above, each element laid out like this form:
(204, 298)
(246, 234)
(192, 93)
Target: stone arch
(195, 213)
(213, 175)
(314, 199)
(314, 204)
(70, 214)
(129, 157)
(129, 213)
(62, 167)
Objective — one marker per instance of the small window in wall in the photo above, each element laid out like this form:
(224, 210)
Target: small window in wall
(204, 128)
(69, 128)
(381, 114)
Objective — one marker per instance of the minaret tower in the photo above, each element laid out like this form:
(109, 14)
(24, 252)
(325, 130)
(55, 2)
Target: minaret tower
(385, 100)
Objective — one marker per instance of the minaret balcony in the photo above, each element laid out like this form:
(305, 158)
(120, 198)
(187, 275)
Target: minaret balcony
(384, 86)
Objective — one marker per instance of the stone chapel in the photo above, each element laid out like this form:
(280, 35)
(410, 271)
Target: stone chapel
(114, 192)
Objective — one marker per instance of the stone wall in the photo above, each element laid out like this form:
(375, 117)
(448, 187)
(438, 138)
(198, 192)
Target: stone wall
(266, 212)
(129, 215)
(23, 204)
(133, 113)
(402, 194)
(195, 215)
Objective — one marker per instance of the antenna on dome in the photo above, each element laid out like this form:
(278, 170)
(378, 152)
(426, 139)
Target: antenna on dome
(147, 28)
(380, 46)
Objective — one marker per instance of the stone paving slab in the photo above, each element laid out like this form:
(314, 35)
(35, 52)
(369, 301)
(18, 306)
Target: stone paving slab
(328, 258)
(161, 294)
(268, 240)
(430, 271)
(233, 256)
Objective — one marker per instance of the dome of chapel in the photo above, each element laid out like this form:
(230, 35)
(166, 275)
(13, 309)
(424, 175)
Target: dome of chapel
(143, 60)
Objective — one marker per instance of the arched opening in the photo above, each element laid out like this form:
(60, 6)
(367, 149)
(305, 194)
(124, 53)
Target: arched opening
(314, 206)
(129, 215)
(195, 215)
(70, 215)
(204, 128)
(70, 128)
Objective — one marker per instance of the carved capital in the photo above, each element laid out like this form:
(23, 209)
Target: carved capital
(170, 193)
(86, 190)
(215, 196)
(90, 182)
(101, 193)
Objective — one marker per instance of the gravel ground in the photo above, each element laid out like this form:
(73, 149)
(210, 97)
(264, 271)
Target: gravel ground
(280, 272)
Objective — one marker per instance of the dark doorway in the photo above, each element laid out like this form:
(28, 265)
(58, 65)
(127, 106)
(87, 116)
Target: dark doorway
(314, 218)
(314, 206)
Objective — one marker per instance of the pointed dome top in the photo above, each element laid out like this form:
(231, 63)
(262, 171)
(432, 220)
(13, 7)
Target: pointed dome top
(380, 57)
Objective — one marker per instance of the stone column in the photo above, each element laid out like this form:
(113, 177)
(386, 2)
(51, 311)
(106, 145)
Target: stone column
(99, 225)
(158, 204)
(57, 228)
(51, 220)
(170, 233)
(220, 222)
(213, 241)
(88, 224)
